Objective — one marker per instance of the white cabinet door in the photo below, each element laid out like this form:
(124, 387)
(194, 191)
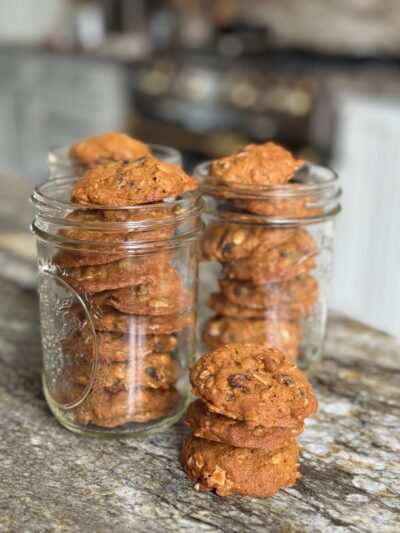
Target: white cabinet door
(63, 99)
(8, 114)
(8, 123)
(366, 282)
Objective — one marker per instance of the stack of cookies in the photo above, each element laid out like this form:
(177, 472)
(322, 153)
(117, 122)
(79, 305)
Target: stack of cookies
(266, 286)
(138, 302)
(253, 402)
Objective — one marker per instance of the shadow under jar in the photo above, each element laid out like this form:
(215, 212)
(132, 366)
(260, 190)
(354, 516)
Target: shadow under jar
(61, 164)
(267, 258)
(117, 291)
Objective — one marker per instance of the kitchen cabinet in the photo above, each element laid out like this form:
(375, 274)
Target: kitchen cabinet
(49, 99)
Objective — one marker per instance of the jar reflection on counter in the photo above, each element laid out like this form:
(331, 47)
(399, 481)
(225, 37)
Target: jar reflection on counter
(118, 291)
(267, 257)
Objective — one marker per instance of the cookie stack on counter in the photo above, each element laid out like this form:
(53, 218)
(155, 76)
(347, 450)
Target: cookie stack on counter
(252, 404)
(266, 286)
(137, 299)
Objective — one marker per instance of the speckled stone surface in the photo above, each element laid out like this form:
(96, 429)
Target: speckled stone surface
(53, 480)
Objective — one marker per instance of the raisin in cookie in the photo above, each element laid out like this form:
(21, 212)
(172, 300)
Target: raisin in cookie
(111, 146)
(215, 427)
(223, 241)
(258, 385)
(300, 292)
(131, 182)
(287, 260)
(256, 164)
(284, 335)
(247, 471)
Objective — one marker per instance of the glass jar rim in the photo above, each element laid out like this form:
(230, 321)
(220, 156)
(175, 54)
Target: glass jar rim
(182, 212)
(315, 185)
(58, 156)
(327, 177)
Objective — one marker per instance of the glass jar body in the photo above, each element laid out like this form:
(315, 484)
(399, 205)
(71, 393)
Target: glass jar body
(264, 278)
(118, 312)
(60, 164)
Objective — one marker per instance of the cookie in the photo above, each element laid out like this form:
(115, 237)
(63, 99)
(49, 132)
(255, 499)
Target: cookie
(300, 292)
(163, 295)
(256, 164)
(284, 335)
(287, 260)
(86, 255)
(288, 207)
(155, 371)
(76, 254)
(131, 182)
(116, 346)
(215, 427)
(247, 471)
(108, 319)
(224, 242)
(123, 273)
(111, 146)
(223, 307)
(162, 215)
(108, 409)
(94, 237)
(257, 385)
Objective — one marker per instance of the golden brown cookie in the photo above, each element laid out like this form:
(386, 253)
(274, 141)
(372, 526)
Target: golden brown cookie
(284, 335)
(116, 346)
(86, 255)
(163, 295)
(287, 260)
(155, 371)
(162, 215)
(247, 471)
(132, 182)
(287, 207)
(108, 409)
(108, 319)
(300, 292)
(94, 237)
(224, 242)
(223, 307)
(123, 273)
(258, 385)
(256, 164)
(212, 426)
(111, 146)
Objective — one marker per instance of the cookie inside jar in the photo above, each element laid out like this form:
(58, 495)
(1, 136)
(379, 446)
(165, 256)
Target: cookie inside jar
(124, 237)
(98, 150)
(267, 251)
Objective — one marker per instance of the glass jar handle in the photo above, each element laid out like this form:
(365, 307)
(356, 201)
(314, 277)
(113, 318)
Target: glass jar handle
(68, 340)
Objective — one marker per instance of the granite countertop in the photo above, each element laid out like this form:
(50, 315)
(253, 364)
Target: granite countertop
(53, 480)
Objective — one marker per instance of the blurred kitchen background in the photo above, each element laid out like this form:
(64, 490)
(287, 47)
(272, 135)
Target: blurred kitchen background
(321, 77)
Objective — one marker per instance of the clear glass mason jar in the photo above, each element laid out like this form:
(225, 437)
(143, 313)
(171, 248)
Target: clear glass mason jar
(267, 258)
(60, 164)
(117, 293)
